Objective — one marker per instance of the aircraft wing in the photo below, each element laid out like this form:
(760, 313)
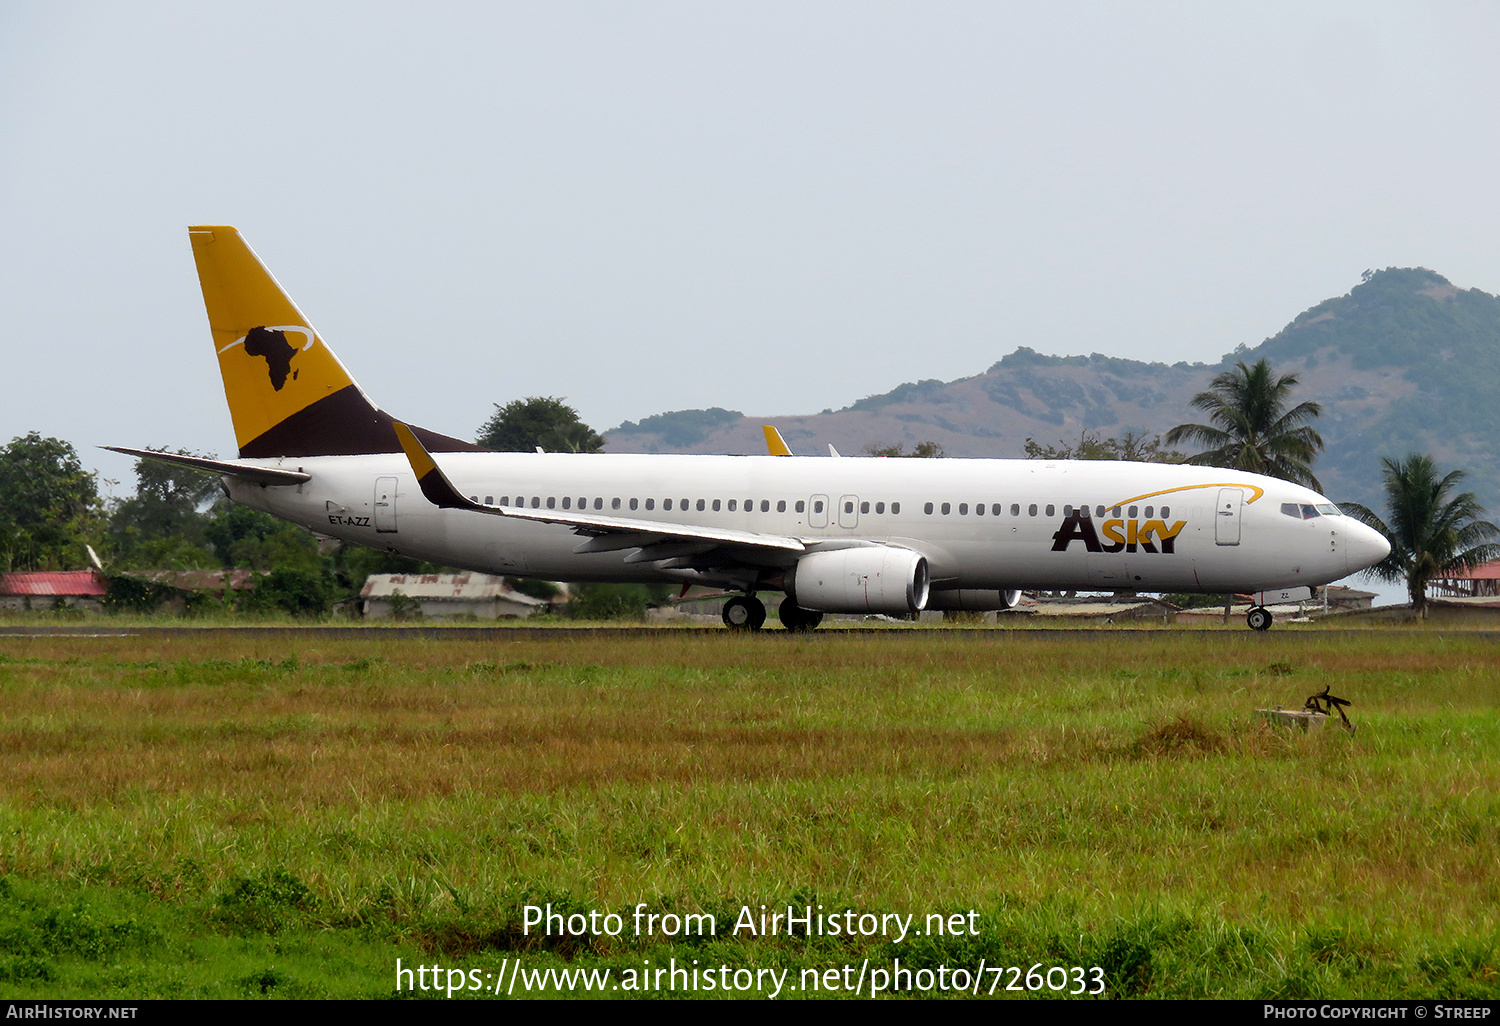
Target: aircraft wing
(247, 471)
(655, 539)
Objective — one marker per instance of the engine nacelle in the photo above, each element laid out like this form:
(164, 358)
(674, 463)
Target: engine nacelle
(867, 579)
(971, 600)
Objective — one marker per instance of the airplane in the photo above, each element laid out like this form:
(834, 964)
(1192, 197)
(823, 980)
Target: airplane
(851, 535)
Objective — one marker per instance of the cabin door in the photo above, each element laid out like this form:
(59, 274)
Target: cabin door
(817, 511)
(1227, 516)
(385, 505)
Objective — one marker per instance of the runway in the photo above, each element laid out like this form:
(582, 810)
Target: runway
(409, 632)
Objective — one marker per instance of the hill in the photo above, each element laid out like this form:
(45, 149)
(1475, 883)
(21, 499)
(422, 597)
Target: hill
(1404, 361)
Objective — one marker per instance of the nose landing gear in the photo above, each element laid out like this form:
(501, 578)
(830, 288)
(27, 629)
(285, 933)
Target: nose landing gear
(1259, 618)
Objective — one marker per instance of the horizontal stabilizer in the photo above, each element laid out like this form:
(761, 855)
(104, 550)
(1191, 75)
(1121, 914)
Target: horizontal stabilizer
(243, 471)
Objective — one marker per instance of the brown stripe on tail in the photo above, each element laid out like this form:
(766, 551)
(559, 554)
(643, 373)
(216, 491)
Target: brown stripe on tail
(343, 424)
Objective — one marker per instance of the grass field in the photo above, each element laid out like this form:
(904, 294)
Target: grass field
(227, 817)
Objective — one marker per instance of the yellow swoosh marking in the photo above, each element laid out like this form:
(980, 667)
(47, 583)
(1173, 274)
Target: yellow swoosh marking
(1187, 488)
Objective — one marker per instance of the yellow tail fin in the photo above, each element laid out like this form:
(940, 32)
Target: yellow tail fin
(288, 394)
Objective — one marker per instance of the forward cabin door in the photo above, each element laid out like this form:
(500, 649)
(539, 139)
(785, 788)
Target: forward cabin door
(1227, 516)
(385, 505)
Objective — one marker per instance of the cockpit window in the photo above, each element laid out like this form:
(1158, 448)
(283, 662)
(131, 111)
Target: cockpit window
(1302, 511)
(1328, 509)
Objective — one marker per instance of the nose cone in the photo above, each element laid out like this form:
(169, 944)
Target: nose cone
(1364, 546)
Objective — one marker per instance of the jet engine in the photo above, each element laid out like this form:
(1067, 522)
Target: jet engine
(972, 600)
(867, 579)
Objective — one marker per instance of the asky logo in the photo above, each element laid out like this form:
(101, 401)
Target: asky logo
(270, 343)
(1128, 535)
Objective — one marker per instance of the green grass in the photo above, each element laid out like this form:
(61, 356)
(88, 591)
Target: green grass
(226, 817)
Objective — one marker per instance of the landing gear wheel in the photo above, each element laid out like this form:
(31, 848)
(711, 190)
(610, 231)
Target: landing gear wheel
(795, 618)
(1259, 619)
(744, 613)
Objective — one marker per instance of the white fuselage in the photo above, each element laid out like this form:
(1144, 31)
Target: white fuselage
(980, 523)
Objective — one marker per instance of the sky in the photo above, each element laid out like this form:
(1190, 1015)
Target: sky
(770, 207)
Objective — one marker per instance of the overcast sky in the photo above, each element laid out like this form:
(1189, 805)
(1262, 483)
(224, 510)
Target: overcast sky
(770, 207)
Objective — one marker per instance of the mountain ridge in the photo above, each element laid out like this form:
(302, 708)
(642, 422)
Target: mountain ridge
(1404, 361)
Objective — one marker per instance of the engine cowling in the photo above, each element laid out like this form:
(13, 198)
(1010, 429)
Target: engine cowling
(972, 600)
(867, 579)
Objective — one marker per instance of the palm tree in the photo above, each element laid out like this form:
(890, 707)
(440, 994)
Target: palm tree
(1432, 531)
(1252, 429)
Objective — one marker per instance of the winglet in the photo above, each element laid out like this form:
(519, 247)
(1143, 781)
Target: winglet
(832, 451)
(433, 482)
(775, 444)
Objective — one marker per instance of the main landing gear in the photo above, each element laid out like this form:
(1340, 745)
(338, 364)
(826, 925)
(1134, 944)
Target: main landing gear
(744, 613)
(795, 618)
(1259, 618)
(748, 613)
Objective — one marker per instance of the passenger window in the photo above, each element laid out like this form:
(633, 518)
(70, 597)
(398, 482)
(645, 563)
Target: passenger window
(1116, 513)
(1166, 511)
(864, 507)
(765, 505)
(895, 507)
(551, 502)
(473, 498)
(818, 506)
(489, 500)
(536, 502)
(880, 507)
(801, 506)
(1067, 510)
(979, 509)
(505, 500)
(665, 504)
(963, 509)
(599, 502)
(1031, 510)
(927, 509)
(1149, 512)
(684, 505)
(947, 508)
(849, 507)
(650, 503)
(567, 502)
(635, 503)
(716, 505)
(700, 505)
(1051, 510)
(614, 503)
(1015, 509)
(734, 504)
(995, 510)
(781, 505)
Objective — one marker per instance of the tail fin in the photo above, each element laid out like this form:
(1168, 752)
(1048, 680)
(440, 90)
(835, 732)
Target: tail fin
(288, 394)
